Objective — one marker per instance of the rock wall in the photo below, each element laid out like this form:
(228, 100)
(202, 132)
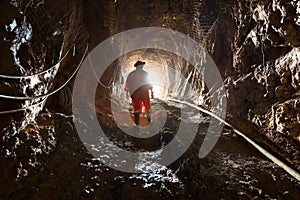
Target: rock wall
(256, 46)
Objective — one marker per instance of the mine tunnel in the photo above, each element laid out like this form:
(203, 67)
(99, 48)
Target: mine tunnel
(225, 120)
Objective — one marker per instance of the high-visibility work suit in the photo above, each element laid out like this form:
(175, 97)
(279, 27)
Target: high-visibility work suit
(138, 86)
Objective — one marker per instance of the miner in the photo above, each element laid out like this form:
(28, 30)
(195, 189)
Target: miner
(138, 87)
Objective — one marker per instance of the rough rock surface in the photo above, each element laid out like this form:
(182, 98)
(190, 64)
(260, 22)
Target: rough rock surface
(256, 46)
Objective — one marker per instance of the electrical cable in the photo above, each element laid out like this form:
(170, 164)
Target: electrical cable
(45, 95)
(281, 164)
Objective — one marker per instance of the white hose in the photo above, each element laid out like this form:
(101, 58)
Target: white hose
(288, 169)
(51, 93)
(41, 96)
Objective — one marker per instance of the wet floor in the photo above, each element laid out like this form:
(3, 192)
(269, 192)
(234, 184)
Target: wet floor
(47, 160)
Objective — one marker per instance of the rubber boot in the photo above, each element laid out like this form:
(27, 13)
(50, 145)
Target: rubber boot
(137, 119)
(149, 116)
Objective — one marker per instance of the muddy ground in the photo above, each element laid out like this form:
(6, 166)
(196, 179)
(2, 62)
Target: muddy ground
(51, 162)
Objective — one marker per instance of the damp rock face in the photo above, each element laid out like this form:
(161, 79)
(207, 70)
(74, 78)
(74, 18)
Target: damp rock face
(256, 47)
(284, 118)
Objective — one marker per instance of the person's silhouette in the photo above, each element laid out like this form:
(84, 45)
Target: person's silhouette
(138, 87)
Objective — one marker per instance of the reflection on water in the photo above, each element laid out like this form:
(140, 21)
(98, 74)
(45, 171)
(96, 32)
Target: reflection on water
(158, 177)
(157, 174)
(48, 156)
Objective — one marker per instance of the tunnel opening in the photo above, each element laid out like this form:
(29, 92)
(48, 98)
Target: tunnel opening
(169, 74)
(155, 66)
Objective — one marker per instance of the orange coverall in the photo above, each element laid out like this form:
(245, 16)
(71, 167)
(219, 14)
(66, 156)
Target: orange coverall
(138, 86)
